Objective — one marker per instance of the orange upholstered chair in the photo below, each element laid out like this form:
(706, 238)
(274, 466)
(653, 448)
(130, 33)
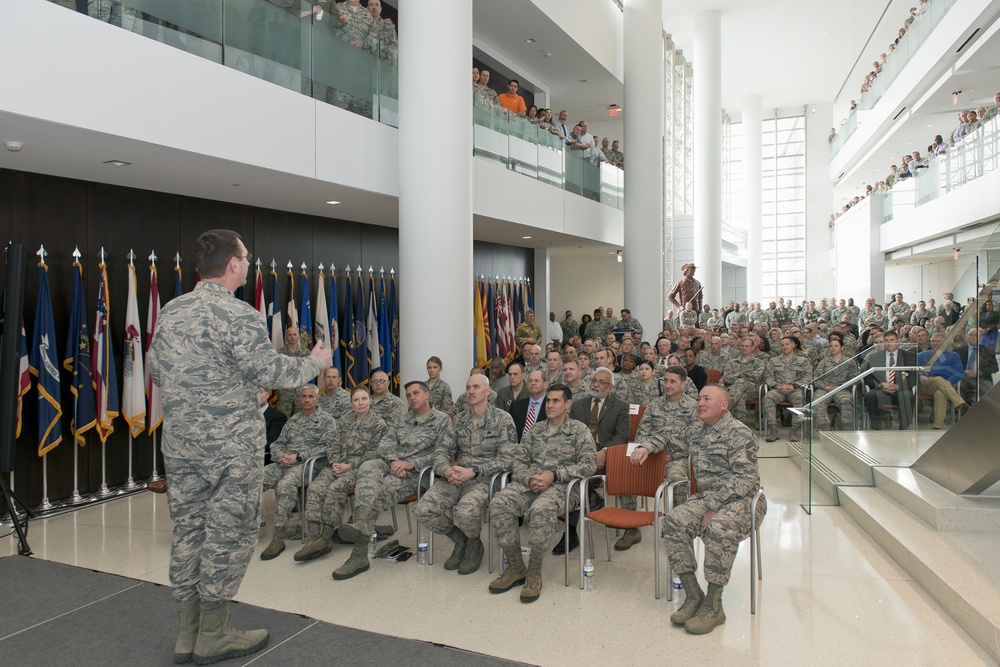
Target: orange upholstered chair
(621, 478)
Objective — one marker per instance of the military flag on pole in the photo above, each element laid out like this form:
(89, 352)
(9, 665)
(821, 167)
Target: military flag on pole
(43, 364)
(155, 410)
(23, 380)
(335, 343)
(77, 360)
(384, 335)
(321, 330)
(133, 376)
(359, 337)
(479, 333)
(258, 293)
(394, 323)
(105, 375)
(371, 326)
(274, 312)
(293, 313)
(347, 342)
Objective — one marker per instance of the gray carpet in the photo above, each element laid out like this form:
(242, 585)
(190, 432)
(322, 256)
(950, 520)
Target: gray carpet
(54, 615)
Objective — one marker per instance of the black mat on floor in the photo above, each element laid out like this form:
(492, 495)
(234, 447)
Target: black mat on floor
(54, 615)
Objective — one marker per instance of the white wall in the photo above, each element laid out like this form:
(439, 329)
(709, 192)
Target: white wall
(819, 202)
(596, 25)
(922, 281)
(582, 284)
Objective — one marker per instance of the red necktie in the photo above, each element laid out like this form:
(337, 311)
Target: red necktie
(892, 363)
(530, 420)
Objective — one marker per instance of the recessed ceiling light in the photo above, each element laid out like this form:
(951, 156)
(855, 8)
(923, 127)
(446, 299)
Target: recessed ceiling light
(548, 55)
(117, 163)
(530, 40)
(525, 237)
(583, 81)
(14, 146)
(236, 185)
(931, 125)
(333, 202)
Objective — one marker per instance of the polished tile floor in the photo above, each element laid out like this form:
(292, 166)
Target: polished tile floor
(829, 595)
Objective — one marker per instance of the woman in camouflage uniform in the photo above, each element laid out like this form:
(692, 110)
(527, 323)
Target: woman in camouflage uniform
(646, 388)
(440, 390)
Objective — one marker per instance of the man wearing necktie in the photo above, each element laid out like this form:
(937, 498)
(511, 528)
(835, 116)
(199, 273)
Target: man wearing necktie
(531, 409)
(980, 364)
(890, 387)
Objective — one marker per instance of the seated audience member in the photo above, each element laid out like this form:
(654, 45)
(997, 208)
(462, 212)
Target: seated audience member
(461, 405)
(274, 421)
(483, 444)
(440, 390)
(941, 379)
(833, 370)
(335, 399)
(743, 376)
(724, 462)
(530, 409)
(694, 371)
(551, 453)
(355, 441)
(383, 481)
(514, 389)
(386, 405)
(786, 376)
(980, 363)
(306, 434)
(890, 387)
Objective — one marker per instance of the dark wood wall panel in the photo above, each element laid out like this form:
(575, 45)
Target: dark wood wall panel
(64, 213)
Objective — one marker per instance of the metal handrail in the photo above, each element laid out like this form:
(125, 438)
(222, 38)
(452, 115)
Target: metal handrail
(853, 380)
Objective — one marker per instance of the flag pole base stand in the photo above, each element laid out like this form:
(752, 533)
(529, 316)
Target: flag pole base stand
(130, 485)
(46, 506)
(77, 499)
(104, 491)
(156, 477)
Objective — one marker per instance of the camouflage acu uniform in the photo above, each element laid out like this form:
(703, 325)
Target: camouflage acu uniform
(742, 378)
(288, 398)
(552, 378)
(485, 442)
(641, 394)
(855, 314)
(621, 389)
(359, 25)
(796, 371)
(581, 391)
(485, 97)
(307, 437)
(413, 440)
(865, 316)
(525, 331)
(209, 356)
(598, 329)
(440, 395)
(390, 408)
(567, 449)
(570, 329)
(462, 404)
(717, 362)
(724, 458)
(833, 374)
(337, 404)
(689, 318)
(618, 160)
(382, 41)
(736, 318)
(355, 442)
(900, 310)
(664, 426)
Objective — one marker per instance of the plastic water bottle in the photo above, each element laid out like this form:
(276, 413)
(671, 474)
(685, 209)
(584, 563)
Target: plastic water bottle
(422, 553)
(588, 575)
(371, 544)
(676, 583)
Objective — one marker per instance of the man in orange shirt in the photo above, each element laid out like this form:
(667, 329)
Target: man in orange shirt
(511, 101)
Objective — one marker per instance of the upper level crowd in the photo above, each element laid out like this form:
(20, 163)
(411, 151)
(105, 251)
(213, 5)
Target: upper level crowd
(912, 164)
(576, 137)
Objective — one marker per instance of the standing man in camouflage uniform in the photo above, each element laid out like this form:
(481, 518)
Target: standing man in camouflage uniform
(408, 446)
(209, 356)
(306, 435)
(569, 326)
(663, 426)
(483, 445)
(353, 25)
(356, 441)
(335, 400)
(724, 460)
(551, 453)
(288, 397)
(389, 407)
(743, 377)
(528, 331)
(382, 40)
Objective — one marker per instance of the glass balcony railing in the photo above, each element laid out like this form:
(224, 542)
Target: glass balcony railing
(894, 63)
(297, 44)
(533, 151)
(977, 154)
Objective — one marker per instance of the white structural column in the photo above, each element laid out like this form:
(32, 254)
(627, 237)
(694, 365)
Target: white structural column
(540, 289)
(644, 119)
(435, 189)
(708, 153)
(752, 210)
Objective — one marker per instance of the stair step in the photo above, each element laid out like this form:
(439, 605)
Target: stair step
(959, 570)
(829, 473)
(937, 506)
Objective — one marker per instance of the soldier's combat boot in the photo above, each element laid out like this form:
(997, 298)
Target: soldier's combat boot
(512, 576)
(277, 545)
(458, 537)
(473, 557)
(357, 532)
(189, 618)
(355, 565)
(693, 596)
(628, 538)
(320, 545)
(710, 614)
(217, 640)
(533, 580)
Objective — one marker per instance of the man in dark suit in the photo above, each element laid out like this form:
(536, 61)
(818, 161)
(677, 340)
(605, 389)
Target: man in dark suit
(607, 416)
(890, 387)
(533, 405)
(983, 365)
